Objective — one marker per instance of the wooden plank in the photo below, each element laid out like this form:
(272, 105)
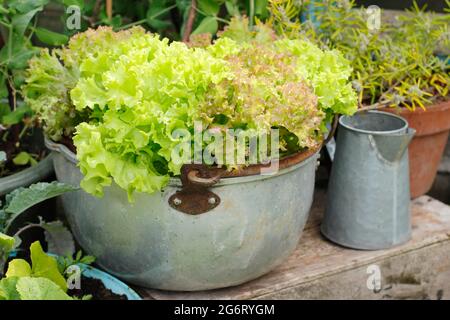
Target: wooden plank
(418, 274)
(317, 260)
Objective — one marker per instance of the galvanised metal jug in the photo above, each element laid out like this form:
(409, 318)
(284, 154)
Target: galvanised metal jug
(368, 193)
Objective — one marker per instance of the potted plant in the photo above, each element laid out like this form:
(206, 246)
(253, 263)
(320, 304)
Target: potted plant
(396, 68)
(48, 277)
(143, 125)
(23, 156)
(61, 275)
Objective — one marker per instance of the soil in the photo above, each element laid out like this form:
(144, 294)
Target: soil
(89, 286)
(31, 142)
(95, 288)
(68, 142)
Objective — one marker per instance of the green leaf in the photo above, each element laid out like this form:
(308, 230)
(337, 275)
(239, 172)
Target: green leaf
(261, 8)
(20, 52)
(183, 5)
(116, 21)
(19, 58)
(50, 37)
(6, 246)
(18, 268)
(59, 238)
(8, 289)
(158, 24)
(20, 22)
(3, 88)
(78, 3)
(207, 25)
(18, 76)
(16, 116)
(4, 110)
(3, 215)
(232, 8)
(209, 7)
(22, 159)
(39, 289)
(24, 6)
(25, 198)
(78, 255)
(158, 10)
(154, 16)
(45, 266)
(33, 162)
(87, 259)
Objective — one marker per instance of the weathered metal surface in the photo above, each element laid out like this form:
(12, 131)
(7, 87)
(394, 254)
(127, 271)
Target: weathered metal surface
(319, 269)
(369, 183)
(256, 226)
(192, 201)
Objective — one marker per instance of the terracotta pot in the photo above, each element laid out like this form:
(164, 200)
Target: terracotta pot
(427, 147)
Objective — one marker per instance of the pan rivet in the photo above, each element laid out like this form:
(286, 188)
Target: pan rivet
(177, 201)
(212, 200)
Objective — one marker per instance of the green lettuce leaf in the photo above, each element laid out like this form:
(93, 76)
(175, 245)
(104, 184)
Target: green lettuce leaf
(46, 266)
(30, 288)
(6, 246)
(18, 268)
(8, 289)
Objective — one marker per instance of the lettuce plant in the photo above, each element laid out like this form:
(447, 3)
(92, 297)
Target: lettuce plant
(18, 27)
(285, 63)
(122, 95)
(42, 280)
(58, 237)
(45, 278)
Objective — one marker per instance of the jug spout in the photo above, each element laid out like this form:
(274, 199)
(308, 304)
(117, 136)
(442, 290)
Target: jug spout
(391, 147)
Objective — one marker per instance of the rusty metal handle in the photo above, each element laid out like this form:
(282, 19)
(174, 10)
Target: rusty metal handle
(332, 130)
(193, 177)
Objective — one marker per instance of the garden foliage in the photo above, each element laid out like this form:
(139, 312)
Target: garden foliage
(123, 94)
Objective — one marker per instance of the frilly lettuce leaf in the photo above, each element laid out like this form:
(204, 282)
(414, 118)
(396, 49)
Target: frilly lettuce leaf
(46, 91)
(147, 90)
(328, 72)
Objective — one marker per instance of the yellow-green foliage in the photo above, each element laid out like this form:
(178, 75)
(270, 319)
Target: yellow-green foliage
(396, 65)
(130, 90)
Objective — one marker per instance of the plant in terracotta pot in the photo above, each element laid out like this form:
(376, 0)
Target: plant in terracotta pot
(128, 114)
(396, 68)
